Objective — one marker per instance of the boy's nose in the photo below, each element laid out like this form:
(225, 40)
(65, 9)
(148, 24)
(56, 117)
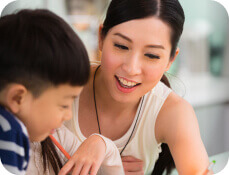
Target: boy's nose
(68, 115)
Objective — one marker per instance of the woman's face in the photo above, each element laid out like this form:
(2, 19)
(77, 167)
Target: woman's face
(135, 55)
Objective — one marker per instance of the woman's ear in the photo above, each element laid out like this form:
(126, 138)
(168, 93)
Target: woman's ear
(100, 37)
(172, 59)
(15, 95)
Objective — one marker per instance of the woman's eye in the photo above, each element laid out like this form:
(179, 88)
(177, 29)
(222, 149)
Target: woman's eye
(151, 56)
(121, 47)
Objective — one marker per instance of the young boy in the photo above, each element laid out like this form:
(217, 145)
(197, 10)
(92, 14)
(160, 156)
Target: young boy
(43, 66)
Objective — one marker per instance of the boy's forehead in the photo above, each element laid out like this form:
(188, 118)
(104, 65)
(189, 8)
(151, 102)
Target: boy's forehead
(68, 90)
(61, 92)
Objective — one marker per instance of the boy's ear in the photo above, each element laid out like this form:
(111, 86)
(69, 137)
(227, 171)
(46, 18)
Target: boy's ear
(15, 96)
(172, 59)
(100, 37)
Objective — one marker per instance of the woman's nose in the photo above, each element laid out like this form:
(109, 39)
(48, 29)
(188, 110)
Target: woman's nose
(132, 65)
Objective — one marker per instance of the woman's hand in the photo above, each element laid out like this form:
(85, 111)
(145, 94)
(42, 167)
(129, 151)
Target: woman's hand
(132, 165)
(87, 159)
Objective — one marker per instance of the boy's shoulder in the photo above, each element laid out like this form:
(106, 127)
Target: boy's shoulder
(12, 130)
(14, 143)
(10, 123)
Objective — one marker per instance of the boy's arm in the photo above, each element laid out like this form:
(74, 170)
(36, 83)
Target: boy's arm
(67, 140)
(93, 152)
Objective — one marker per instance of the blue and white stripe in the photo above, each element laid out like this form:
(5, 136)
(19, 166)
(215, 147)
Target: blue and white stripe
(14, 143)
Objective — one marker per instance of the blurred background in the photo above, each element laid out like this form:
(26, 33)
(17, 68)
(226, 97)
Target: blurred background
(200, 74)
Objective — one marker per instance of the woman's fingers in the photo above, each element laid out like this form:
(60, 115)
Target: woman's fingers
(135, 173)
(77, 168)
(94, 169)
(66, 168)
(84, 171)
(88, 156)
(130, 159)
(132, 166)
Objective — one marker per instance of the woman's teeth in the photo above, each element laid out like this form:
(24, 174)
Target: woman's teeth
(126, 84)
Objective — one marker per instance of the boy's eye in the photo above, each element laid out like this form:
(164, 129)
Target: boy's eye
(121, 46)
(65, 106)
(151, 56)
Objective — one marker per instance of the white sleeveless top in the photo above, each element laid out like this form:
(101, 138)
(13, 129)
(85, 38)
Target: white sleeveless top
(143, 144)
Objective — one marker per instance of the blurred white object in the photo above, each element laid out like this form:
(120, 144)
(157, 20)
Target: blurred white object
(87, 28)
(194, 47)
(3, 4)
(205, 90)
(221, 161)
(209, 96)
(226, 58)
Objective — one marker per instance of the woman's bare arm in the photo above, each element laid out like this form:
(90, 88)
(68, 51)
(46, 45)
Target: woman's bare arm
(177, 126)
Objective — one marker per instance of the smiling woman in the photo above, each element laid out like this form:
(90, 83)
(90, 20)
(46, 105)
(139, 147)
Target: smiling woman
(128, 99)
(129, 54)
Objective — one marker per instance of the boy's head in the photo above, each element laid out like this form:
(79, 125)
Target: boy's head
(43, 65)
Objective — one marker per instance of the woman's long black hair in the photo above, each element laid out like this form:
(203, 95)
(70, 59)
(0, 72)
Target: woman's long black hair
(171, 13)
(165, 160)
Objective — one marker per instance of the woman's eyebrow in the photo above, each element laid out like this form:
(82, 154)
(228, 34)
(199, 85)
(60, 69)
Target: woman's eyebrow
(150, 45)
(155, 46)
(123, 36)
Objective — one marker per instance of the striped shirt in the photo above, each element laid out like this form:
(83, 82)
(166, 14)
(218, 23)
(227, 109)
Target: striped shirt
(14, 143)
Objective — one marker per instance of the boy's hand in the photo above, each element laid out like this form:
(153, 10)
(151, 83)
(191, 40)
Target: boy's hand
(87, 159)
(132, 165)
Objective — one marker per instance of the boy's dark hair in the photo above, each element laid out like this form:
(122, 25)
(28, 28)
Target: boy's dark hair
(39, 49)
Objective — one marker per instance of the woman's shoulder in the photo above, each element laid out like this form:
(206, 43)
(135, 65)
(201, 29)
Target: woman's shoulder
(175, 115)
(176, 107)
(176, 102)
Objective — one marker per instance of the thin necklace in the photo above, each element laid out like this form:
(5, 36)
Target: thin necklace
(98, 115)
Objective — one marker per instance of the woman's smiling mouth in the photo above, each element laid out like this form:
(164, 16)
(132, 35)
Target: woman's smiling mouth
(126, 86)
